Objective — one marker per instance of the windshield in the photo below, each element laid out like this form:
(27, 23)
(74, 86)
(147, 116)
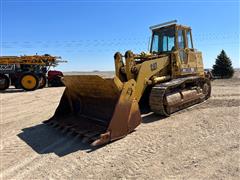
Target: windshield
(163, 40)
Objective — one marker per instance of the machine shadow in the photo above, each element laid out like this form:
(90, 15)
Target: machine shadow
(151, 117)
(45, 139)
(148, 116)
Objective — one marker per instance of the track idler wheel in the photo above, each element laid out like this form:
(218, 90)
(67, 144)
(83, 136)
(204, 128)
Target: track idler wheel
(29, 81)
(4, 82)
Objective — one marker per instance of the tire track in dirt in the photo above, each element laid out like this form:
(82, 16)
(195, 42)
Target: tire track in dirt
(46, 159)
(201, 142)
(11, 145)
(21, 112)
(88, 160)
(8, 173)
(72, 166)
(226, 95)
(144, 154)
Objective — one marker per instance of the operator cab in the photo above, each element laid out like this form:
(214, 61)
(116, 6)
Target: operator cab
(169, 37)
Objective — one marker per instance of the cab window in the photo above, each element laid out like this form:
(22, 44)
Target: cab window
(155, 43)
(189, 39)
(180, 39)
(163, 40)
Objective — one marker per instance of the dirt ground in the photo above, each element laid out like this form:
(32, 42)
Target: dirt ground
(201, 142)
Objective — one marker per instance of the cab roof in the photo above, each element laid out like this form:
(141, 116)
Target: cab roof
(168, 24)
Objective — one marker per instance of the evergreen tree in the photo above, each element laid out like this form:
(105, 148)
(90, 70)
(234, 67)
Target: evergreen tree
(223, 66)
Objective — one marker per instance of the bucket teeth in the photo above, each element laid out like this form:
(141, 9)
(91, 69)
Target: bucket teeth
(87, 132)
(87, 135)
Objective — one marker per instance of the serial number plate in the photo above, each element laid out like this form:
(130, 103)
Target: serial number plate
(188, 70)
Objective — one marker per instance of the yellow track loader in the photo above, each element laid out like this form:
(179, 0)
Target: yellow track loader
(167, 79)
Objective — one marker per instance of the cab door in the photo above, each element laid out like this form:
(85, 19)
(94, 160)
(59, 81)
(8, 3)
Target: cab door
(195, 61)
(187, 57)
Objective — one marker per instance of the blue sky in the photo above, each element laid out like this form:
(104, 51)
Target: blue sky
(88, 33)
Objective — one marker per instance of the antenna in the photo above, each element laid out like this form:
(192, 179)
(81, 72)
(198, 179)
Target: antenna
(163, 24)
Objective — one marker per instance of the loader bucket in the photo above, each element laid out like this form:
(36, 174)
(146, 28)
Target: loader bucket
(98, 109)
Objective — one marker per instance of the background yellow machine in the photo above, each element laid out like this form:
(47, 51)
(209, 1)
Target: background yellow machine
(27, 72)
(169, 78)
